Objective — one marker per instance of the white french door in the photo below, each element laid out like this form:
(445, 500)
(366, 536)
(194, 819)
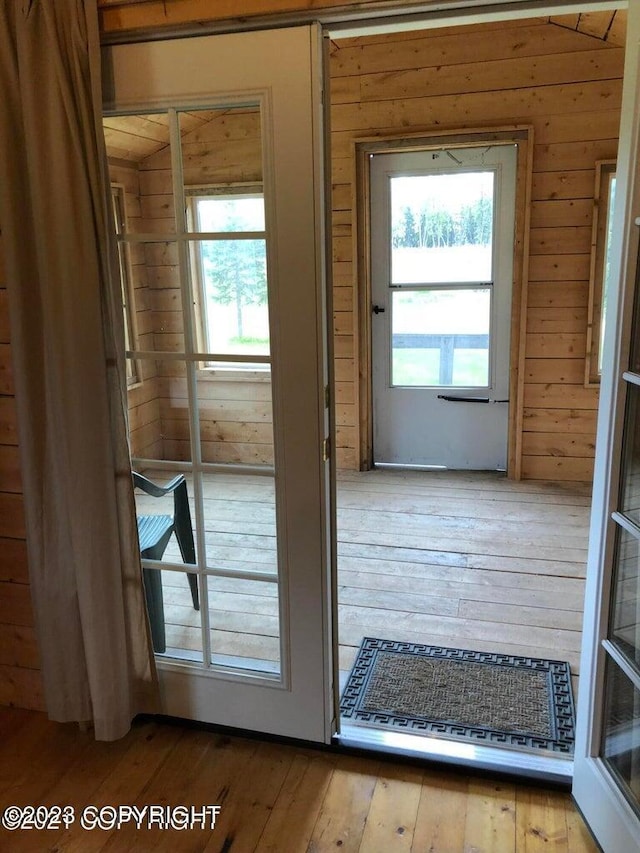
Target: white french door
(607, 759)
(216, 144)
(442, 231)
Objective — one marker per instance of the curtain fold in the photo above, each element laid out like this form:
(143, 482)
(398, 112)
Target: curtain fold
(67, 345)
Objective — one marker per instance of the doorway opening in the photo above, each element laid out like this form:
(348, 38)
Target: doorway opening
(438, 530)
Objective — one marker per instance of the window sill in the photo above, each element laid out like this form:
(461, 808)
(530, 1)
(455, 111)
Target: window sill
(234, 374)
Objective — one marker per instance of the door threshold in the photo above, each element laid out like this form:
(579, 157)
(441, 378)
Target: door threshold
(407, 466)
(550, 769)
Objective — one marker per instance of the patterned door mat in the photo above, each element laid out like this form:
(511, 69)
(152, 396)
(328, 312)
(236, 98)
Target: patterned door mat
(495, 699)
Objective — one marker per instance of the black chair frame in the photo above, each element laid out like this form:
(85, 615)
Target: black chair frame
(154, 533)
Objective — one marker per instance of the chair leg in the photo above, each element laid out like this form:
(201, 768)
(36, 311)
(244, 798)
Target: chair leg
(155, 608)
(193, 583)
(184, 535)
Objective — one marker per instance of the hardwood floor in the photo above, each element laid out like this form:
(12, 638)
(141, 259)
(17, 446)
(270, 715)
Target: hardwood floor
(273, 797)
(462, 559)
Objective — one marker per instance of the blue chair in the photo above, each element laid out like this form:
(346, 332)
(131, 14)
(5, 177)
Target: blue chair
(154, 533)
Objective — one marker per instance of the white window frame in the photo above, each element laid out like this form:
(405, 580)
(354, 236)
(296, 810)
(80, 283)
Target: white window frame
(598, 281)
(218, 370)
(119, 207)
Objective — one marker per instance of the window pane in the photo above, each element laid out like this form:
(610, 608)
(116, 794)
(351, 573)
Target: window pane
(630, 478)
(159, 412)
(173, 600)
(233, 283)
(245, 624)
(221, 147)
(118, 195)
(230, 213)
(441, 337)
(626, 595)
(634, 356)
(175, 622)
(621, 736)
(156, 297)
(441, 228)
(241, 536)
(240, 523)
(236, 415)
(140, 158)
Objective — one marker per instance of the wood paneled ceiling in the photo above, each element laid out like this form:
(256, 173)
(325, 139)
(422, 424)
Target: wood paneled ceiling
(135, 137)
(610, 26)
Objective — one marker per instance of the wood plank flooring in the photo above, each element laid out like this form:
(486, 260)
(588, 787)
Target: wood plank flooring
(462, 559)
(274, 798)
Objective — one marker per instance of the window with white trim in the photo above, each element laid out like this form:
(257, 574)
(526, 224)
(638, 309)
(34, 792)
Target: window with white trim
(229, 273)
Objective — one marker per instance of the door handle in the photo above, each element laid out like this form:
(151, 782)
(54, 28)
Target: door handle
(456, 398)
(378, 309)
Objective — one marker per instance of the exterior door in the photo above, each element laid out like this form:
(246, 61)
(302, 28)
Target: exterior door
(607, 761)
(442, 231)
(215, 154)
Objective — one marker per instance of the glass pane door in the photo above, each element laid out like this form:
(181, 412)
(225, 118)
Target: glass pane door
(607, 757)
(621, 723)
(226, 331)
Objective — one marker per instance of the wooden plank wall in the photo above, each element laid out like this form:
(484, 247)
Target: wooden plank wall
(565, 84)
(145, 428)
(235, 412)
(20, 682)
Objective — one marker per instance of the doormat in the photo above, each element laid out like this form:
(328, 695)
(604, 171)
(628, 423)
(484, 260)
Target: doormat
(494, 699)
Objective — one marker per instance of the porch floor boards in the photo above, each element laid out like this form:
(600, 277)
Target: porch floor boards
(463, 559)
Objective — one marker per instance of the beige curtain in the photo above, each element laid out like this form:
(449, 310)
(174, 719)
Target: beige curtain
(67, 340)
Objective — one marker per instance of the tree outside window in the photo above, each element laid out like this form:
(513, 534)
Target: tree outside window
(232, 272)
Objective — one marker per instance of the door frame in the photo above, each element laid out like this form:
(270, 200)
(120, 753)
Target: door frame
(522, 136)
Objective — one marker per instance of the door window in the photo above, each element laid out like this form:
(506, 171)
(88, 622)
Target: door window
(440, 337)
(441, 277)
(442, 227)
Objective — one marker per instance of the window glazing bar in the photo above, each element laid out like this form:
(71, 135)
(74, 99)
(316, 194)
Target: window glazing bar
(192, 380)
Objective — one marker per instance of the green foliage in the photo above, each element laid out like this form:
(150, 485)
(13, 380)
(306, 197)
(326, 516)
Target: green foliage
(235, 273)
(416, 367)
(435, 227)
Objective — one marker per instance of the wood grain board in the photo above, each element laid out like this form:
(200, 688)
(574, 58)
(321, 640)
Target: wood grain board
(394, 86)
(273, 797)
(468, 560)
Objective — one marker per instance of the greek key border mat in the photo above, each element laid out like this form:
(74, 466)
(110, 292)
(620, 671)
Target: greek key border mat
(494, 699)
